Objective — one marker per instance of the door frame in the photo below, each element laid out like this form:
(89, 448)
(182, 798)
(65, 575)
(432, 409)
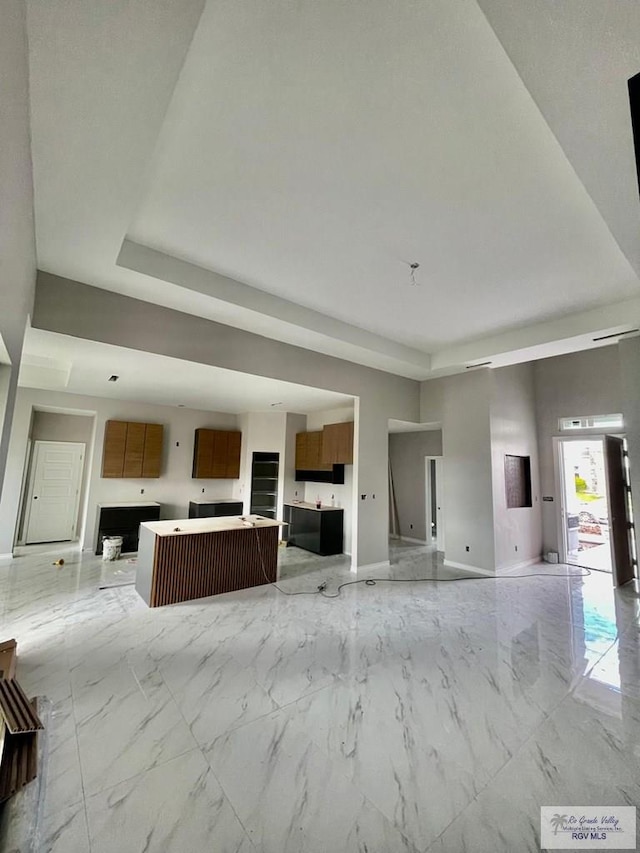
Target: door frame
(32, 476)
(622, 457)
(439, 539)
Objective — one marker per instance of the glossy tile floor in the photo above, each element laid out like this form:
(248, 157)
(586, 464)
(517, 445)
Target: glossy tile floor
(398, 717)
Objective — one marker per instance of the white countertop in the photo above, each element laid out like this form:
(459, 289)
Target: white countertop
(128, 503)
(307, 505)
(185, 526)
(218, 501)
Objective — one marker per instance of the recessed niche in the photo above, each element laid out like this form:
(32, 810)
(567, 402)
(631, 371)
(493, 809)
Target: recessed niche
(517, 478)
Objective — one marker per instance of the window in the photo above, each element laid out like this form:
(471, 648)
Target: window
(599, 422)
(517, 478)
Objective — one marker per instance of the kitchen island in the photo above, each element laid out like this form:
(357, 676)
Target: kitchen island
(197, 557)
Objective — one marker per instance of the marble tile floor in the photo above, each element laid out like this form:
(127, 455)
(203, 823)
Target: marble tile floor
(398, 717)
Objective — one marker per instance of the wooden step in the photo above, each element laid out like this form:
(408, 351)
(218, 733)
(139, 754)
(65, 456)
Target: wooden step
(18, 759)
(8, 655)
(16, 710)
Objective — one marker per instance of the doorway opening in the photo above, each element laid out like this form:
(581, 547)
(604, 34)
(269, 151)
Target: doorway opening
(434, 502)
(585, 504)
(53, 505)
(596, 509)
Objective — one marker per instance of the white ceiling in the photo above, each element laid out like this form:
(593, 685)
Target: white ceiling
(76, 366)
(310, 150)
(575, 59)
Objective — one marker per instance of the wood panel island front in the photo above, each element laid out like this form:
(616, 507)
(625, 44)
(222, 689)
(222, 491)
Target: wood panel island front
(197, 557)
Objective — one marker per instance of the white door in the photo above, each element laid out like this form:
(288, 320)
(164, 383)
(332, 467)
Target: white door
(434, 505)
(440, 504)
(54, 491)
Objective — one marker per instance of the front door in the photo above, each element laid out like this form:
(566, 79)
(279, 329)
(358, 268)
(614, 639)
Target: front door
(620, 514)
(54, 492)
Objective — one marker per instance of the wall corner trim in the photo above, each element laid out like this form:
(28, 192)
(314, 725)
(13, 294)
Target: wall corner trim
(533, 561)
(476, 570)
(385, 564)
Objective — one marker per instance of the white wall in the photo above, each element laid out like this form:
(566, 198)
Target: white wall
(462, 405)
(579, 384)
(513, 431)
(17, 238)
(292, 490)
(407, 451)
(262, 432)
(333, 494)
(86, 312)
(174, 489)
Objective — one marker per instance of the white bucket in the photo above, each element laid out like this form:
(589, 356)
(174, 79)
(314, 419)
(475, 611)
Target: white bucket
(111, 547)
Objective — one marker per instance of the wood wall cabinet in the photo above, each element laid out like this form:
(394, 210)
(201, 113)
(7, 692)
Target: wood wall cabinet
(216, 454)
(337, 444)
(132, 450)
(309, 452)
(152, 461)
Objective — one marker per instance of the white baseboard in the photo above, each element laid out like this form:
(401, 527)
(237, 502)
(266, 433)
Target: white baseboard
(370, 567)
(5, 557)
(523, 565)
(411, 539)
(476, 570)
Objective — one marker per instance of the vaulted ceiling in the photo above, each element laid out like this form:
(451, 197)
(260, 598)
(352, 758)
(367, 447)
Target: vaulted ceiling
(277, 165)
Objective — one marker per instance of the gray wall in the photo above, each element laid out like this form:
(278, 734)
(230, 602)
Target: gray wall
(55, 426)
(462, 405)
(485, 414)
(407, 451)
(17, 238)
(579, 384)
(513, 431)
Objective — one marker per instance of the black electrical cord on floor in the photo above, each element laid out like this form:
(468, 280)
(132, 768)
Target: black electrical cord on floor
(374, 581)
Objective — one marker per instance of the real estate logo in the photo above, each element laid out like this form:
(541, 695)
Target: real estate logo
(588, 827)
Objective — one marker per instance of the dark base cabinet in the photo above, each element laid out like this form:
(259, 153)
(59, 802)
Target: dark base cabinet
(124, 521)
(334, 475)
(214, 509)
(317, 530)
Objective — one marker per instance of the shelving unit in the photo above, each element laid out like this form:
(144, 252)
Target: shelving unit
(264, 484)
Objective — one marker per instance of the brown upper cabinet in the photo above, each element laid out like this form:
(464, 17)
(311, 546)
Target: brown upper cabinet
(216, 454)
(337, 444)
(309, 452)
(132, 450)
